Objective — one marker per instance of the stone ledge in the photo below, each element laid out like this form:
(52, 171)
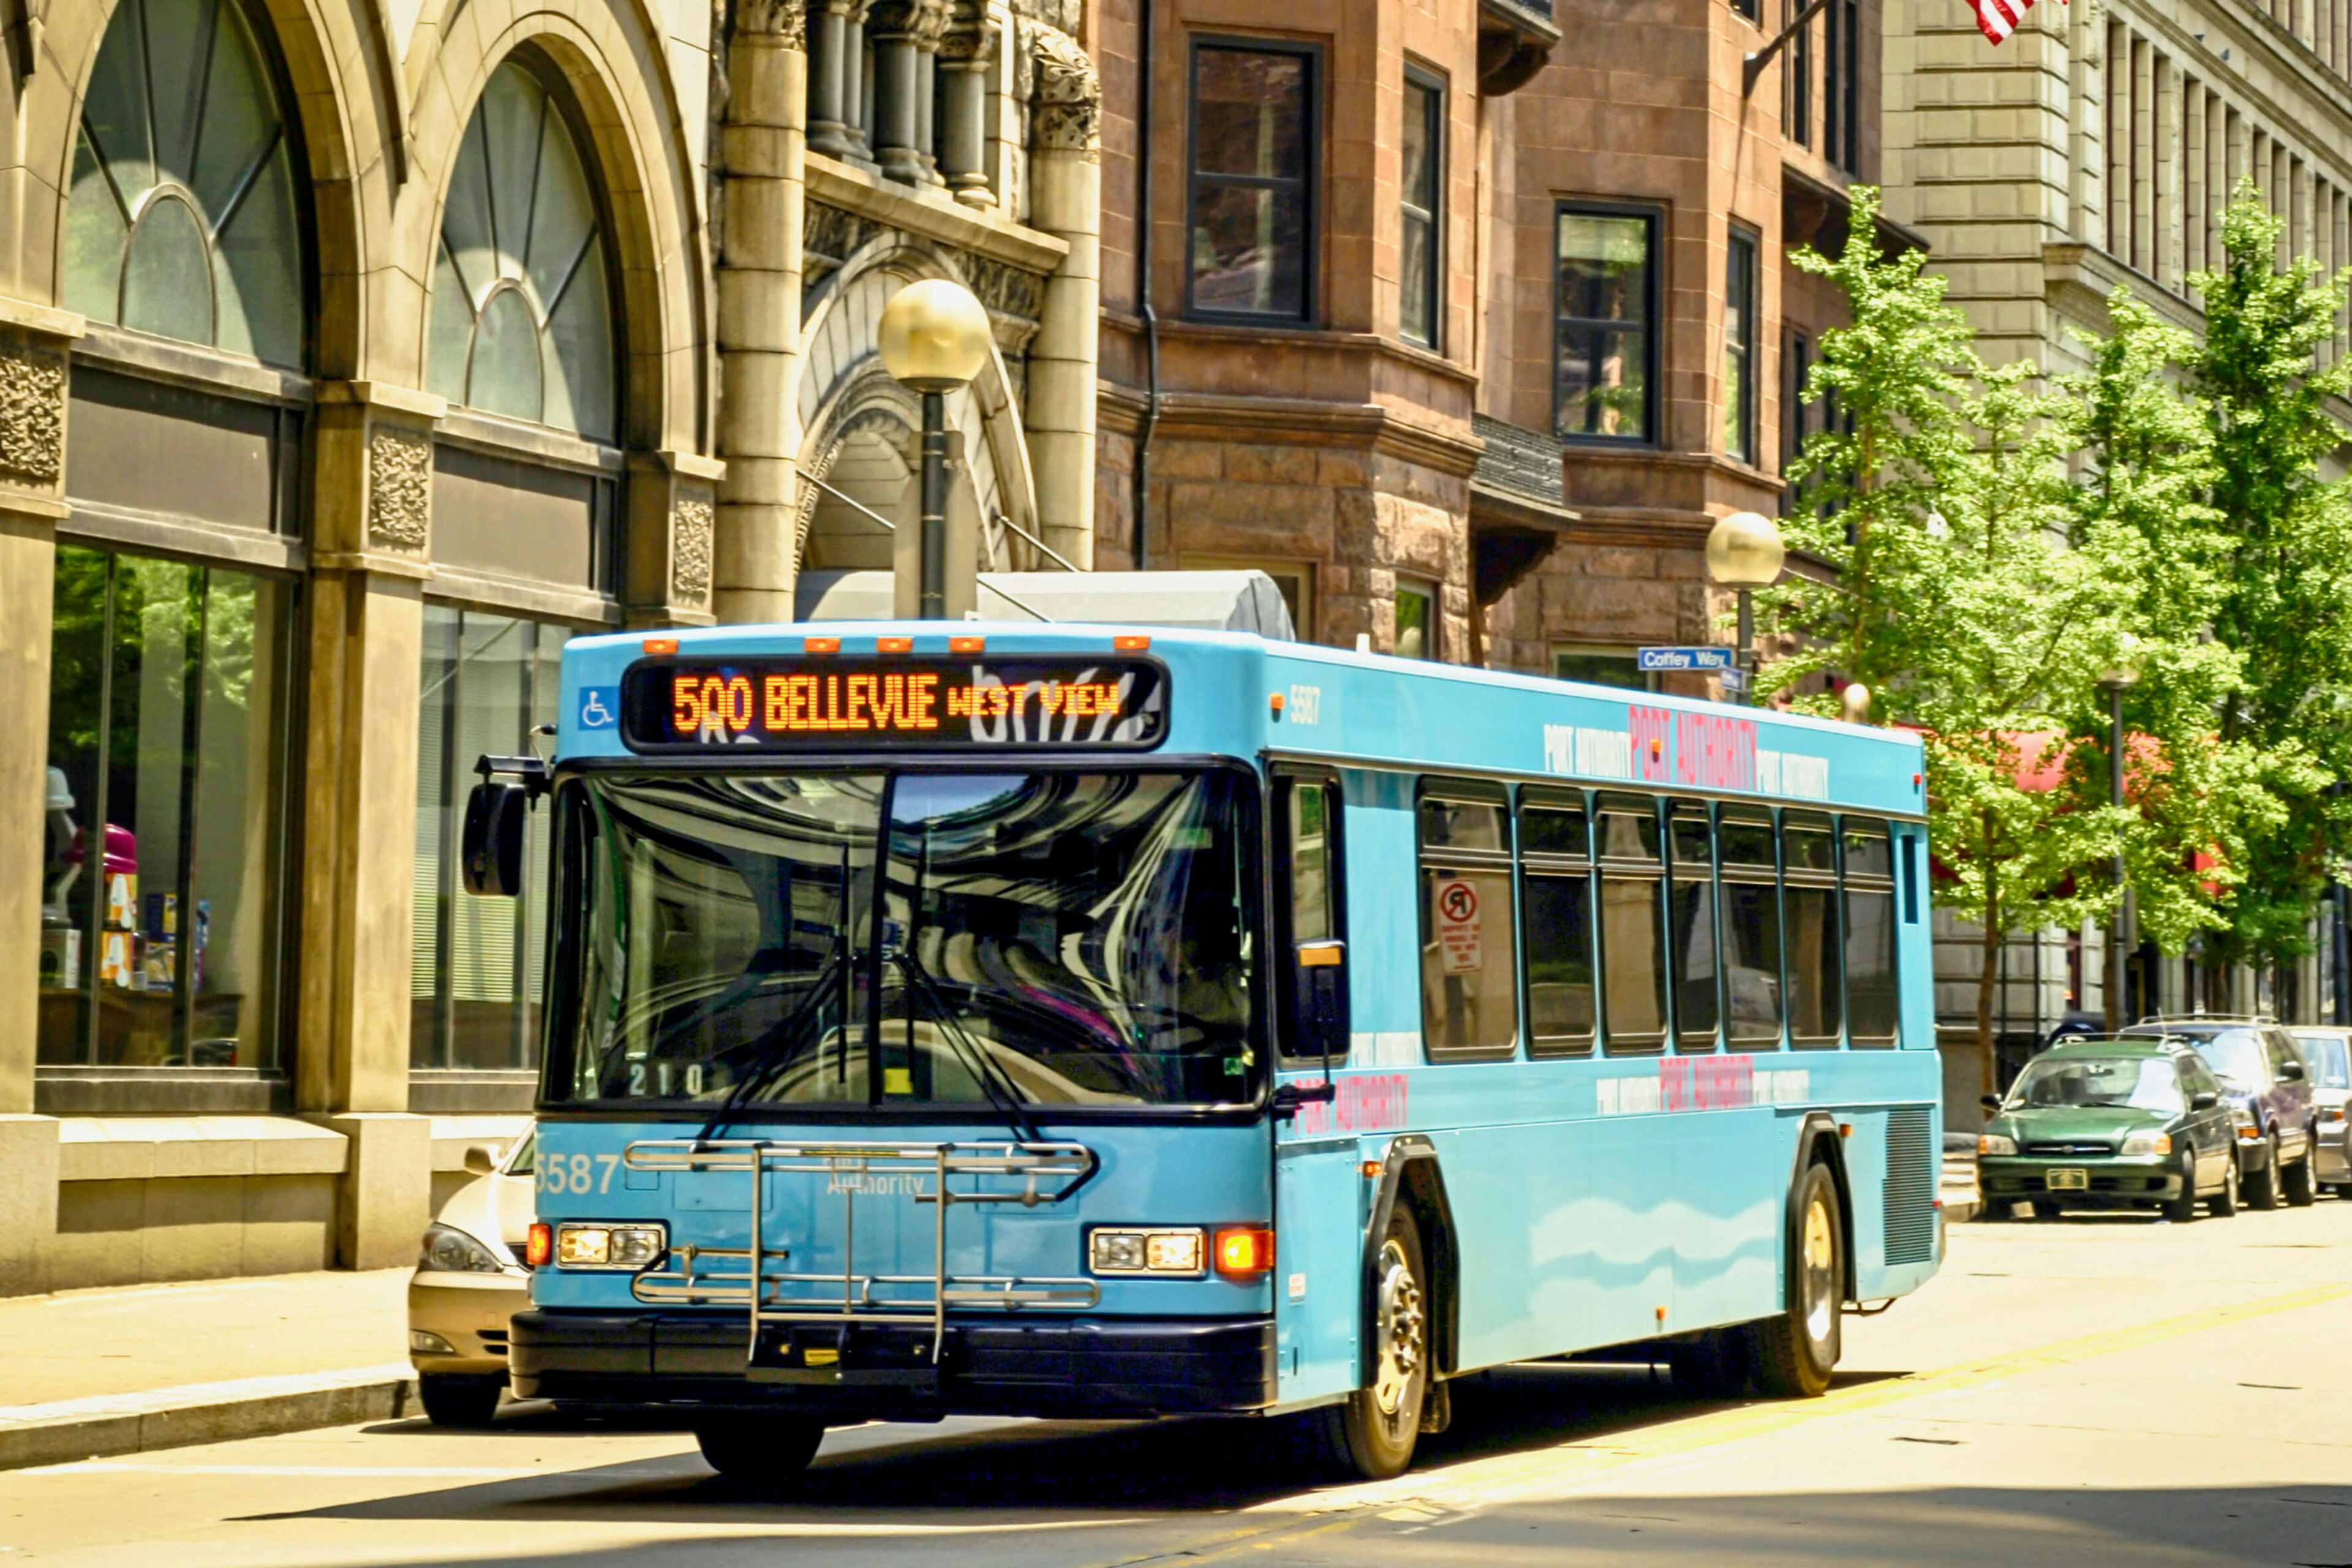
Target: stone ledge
(147, 1148)
(71, 1429)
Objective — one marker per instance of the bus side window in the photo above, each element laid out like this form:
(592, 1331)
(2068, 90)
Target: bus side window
(1469, 947)
(1555, 923)
(1633, 924)
(1809, 901)
(1751, 927)
(1872, 993)
(1690, 913)
(1313, 920)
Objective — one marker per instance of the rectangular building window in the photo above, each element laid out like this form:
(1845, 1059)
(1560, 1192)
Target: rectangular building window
(1416, 619)
(1797, 366)
(1842, 85)
(1598, 666)
(1799, 124)
(1469, 954)
(1752, 9)
(1751, 929)
(1872, 996)
(1556, 923)
(162, 896)
(1255, 150)
(1605, 347)
(1739, 346)
(476, 964)
(1633, 924)
(1690, 913)
(1421, 273)
(1816, 991)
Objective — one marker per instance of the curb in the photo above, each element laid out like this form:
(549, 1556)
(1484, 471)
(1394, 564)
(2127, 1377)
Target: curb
(92, 1428)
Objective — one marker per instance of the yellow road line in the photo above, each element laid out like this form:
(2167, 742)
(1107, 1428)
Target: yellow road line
(1479, 1482)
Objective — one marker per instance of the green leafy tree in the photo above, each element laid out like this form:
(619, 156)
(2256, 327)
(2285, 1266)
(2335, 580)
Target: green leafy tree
(1959, 597)
(2284, 602)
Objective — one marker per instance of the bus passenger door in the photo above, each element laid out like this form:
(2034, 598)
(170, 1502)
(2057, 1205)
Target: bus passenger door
(1318, 1218)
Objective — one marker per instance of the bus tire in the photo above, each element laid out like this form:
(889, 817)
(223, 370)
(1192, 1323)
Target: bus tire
(1712, 1366)
(1371, 1434)
(1795, 1351)
(758, 1450)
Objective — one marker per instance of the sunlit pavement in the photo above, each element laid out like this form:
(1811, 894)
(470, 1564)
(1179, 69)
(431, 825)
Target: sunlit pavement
(2080, 1391)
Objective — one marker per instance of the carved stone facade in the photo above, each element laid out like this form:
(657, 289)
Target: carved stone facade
(32, 413)
(1065, 101)
(691, 533)
(400, 487)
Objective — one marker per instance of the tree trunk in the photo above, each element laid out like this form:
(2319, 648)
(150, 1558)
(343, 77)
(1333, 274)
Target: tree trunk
(1987, 976)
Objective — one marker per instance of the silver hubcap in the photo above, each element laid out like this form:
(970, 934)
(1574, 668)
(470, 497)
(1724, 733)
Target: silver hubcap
(1821, 1272)
(1401, 1329)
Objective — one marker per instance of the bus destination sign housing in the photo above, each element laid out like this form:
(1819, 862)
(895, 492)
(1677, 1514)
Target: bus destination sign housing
(677, 707)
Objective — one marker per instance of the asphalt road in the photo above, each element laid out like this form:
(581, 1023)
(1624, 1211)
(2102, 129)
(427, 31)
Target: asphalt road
(2080, 1392)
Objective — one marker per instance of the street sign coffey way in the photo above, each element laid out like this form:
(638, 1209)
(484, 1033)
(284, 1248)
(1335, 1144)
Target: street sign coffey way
(1650, 658)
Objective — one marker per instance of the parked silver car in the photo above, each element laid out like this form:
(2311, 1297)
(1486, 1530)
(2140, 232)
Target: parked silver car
(2327, 1052)
(469, 1279)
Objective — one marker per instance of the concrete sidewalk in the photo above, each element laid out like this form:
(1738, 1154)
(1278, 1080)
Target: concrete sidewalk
(92, 1373)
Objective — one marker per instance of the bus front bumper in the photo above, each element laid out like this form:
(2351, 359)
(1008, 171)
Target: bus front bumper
(1007, 1366)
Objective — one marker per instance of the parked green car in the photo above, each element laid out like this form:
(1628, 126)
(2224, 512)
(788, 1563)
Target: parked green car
(2110, 1123)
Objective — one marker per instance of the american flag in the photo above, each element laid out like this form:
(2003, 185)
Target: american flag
(1997, 19)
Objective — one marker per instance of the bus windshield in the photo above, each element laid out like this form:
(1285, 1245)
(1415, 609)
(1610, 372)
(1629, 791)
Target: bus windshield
(907, 939)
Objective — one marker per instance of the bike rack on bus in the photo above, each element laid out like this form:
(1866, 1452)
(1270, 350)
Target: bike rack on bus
(1045, 1173)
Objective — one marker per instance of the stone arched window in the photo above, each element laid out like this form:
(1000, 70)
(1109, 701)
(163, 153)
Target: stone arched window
(182, 219)
(522, 310)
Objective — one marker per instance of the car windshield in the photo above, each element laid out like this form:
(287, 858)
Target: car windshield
(2234, 1054)
(524, 1162)
(907, 939)
(2122, 1083)
(2326, 1058)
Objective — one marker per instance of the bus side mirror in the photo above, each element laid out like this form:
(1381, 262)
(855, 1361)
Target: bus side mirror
(2203, 1099)
(1322, 1000)
(492, 852)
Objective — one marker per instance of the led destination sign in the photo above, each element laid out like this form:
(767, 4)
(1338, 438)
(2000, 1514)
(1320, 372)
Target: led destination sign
(853, 704)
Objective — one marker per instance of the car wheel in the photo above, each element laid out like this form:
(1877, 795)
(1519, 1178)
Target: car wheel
(758, 1450)
(2183, 1210)
(2300, 1190)
(454, 1401)
(2262, 1182)
(1371, 1433)
(1794, 1352)
(2225, 1203)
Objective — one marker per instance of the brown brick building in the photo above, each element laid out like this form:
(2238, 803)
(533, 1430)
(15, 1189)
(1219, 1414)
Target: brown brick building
(1465, 321)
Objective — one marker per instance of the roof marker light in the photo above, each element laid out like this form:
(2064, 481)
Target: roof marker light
(822, 645)
(661, 645)
(894, 644)
(1274, 702)
(967, 645)
(1131, 642)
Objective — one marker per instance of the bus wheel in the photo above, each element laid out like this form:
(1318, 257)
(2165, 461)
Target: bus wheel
(1371, 1433)
(1796, 1351)
(758, 1450)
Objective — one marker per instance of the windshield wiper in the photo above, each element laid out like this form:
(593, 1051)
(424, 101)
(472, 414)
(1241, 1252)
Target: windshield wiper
(772, 1051)
(1003, 1094)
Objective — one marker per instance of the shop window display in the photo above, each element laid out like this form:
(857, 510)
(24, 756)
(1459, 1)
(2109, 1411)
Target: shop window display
(159, 896)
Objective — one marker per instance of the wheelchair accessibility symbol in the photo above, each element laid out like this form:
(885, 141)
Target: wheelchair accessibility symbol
(597, 708)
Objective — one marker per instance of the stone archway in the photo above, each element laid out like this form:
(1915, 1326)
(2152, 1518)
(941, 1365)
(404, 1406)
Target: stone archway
(870, 464)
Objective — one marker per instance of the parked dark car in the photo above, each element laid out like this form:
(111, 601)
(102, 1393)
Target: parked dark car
(2268, 1089)
(2110, 1123)
(2327, 1053)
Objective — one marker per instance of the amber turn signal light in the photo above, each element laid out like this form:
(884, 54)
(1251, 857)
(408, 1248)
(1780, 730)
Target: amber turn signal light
(1245, 1250)
(540, 1250)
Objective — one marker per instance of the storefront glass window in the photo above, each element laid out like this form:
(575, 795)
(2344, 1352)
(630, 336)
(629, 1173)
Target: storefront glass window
(181, 221)
(159, 896)
(522, 320)
(476, 963)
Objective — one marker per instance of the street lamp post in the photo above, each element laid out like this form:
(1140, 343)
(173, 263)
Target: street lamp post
(934, 339)
(2117, 680)
(1744, 552)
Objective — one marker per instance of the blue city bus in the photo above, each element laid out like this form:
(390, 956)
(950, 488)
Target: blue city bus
(1088, 1021)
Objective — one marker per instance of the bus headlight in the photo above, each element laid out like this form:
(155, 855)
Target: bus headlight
(1120, 1250)
(609, 1245)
